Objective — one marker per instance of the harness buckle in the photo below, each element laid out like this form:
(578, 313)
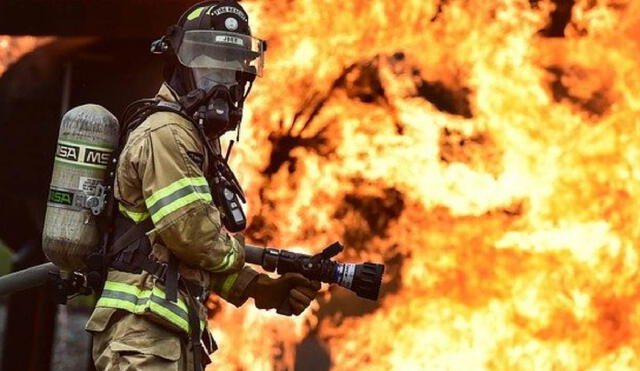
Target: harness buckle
(203, 295)
(197, 291)
(161, 272)
(96, 199)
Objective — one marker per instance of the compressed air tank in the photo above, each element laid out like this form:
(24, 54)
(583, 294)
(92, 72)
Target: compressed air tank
(87, 140)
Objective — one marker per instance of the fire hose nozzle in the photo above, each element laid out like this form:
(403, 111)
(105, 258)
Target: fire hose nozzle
(365, 279)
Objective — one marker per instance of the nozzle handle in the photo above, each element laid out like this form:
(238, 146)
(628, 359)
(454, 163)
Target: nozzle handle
(330, 251)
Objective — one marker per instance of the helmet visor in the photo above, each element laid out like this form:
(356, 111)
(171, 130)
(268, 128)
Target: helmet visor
(220, 49)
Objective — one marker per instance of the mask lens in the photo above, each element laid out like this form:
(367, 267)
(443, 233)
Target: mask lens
(207, 78)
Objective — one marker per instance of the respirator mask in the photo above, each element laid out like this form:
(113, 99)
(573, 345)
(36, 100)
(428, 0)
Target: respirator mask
(221, 107)
(221, 69)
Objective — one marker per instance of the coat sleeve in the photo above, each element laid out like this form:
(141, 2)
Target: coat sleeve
(178, 200)
(232, 287)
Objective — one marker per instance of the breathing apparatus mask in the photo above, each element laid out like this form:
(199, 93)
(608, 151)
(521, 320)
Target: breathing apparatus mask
(216, 61)
(223, 110)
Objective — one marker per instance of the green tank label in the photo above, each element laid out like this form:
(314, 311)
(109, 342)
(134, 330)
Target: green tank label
(60, 197)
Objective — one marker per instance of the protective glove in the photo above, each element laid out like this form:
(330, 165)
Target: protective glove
(294, 288)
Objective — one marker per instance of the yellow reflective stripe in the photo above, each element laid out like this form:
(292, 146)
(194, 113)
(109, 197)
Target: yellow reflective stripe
(181, 202)
(161, 294)
(139, 301)
(229, 259)
(172, 317)
(228, 284)
(166, 191)
(179, 194)
(226, 261)
(121, 304)
(133, 215)
(141, 308)
(118, 286)
(130, 289)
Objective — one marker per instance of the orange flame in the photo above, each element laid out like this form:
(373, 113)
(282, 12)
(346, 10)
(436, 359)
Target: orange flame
(490, 167)
(12, 48)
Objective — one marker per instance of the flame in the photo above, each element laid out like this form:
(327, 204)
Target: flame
(14, 47)
(490, 167)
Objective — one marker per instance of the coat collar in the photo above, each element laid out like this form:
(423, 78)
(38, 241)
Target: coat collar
(167, 94)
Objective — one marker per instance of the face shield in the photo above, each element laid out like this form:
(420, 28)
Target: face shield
(202, 50)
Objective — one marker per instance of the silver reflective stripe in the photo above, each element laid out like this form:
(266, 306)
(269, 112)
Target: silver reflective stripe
(188, 189)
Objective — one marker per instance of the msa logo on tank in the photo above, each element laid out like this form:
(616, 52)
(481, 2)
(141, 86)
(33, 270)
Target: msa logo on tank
(97, 157)
(68, 152)
(83, 155)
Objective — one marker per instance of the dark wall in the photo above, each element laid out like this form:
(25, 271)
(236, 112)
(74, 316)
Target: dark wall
(107, 18)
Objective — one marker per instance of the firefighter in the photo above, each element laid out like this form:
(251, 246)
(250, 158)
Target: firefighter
(173, 243)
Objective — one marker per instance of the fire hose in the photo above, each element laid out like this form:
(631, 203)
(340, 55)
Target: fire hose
(364, 279)
(26, 278)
